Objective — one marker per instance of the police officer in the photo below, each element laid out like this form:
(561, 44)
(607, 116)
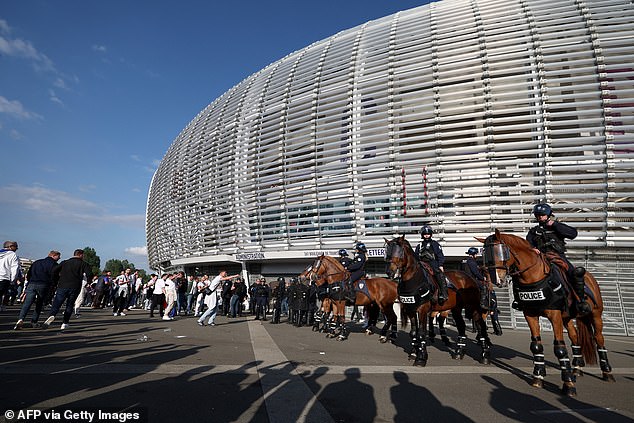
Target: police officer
(261, 292)
(278, 294)
(302, 304)
(430, 251)
(312, 303)
(549, 236)
(357, 264)
(344, 259)
(474, 270)
(293, 295)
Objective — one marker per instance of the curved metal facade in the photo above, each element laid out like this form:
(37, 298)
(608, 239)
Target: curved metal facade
(458, 113)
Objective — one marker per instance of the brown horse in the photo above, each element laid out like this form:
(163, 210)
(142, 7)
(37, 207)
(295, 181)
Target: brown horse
(542, 295)
(370, 292)
(416, 301)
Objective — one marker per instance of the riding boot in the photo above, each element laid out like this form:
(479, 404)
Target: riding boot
(515, 304)
(579, 286)
(484, 298)
(442, 288)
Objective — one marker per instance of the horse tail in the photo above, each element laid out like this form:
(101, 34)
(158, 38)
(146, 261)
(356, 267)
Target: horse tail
(404, 318)
(586, 339)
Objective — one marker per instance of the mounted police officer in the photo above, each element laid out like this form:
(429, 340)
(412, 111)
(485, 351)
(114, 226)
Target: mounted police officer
(278, 295)
(357, 265)
(261, 293)
(549, 236)
(344, 259)
(474, 270)
(430, 251)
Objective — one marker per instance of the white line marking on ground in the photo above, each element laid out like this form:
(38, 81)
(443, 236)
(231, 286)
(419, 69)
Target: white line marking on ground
(288, 403)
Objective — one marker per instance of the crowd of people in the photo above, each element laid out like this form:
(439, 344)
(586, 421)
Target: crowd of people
(72, 283)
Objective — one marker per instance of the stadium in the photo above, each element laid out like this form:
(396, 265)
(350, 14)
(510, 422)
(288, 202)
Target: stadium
(460, 114)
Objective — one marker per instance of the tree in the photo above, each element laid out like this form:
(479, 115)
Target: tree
(116, 266)
(91, 257)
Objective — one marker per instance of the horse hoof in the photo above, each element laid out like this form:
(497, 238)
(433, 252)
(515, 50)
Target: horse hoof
(485, 360)
(569, 391)
(412, 356)
(420, 363)
(382, 339)
(608, 377)
(577, 372)
(537, 383)
(369, 332)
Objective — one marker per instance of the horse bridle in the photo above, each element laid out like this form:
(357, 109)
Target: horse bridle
(313, 268)
(498, 251)
(389, 254)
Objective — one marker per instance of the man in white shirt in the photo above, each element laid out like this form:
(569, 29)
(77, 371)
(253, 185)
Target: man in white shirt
(156, 286)
(9, 268)
(170, 296)
(211, 298)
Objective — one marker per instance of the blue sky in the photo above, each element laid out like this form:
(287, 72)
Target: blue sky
(92, 93)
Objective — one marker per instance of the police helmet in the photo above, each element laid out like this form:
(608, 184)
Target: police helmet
(426, 230)
(360, 246)
(263, 279)
(294, 280)
(473, 251)
(281, 279)
(343, 253)
(542, 210)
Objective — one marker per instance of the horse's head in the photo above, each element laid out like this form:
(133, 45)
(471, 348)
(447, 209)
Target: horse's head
(497, 258)
(397, 256)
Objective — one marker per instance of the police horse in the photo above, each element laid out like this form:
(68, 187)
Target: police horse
(416, 299)
(371, 292)
(542, 295)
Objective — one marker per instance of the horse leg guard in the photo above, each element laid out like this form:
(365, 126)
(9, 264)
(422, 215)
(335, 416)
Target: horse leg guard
(605, 364)
(461, 348)
(578, 363)
(415, 342)
(485, 345)
(539, 371)
(343, 334)
(564, 362)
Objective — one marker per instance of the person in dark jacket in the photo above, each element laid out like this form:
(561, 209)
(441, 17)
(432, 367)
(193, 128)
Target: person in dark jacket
(102, 289)
(430, 251)
(278, 294)
(549, 236)
(474, 270)
(239, 294)
(261, 293)
(70, 276)
(40, 280)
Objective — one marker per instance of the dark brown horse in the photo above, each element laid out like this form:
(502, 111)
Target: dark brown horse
(371, 292)
(416, 300)
(542, 295)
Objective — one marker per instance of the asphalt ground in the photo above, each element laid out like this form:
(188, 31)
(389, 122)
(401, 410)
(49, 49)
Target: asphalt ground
(244, 370)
